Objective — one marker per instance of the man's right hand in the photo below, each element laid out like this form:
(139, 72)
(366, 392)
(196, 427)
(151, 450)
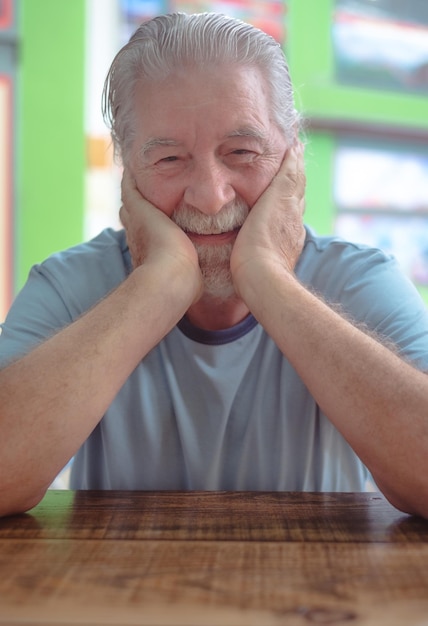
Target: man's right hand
(154, 238)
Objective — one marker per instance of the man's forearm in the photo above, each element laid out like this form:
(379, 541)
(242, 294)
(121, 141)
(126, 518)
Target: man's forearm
(51, 399)
(378, 402)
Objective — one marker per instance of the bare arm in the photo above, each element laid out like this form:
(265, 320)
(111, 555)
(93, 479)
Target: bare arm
(376, 400)
(51, 399)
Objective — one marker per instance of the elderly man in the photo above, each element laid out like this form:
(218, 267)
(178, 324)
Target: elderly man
(215, 343)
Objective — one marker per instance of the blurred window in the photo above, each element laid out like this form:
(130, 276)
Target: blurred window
(381, 195)
(382, 44)
(268, 15)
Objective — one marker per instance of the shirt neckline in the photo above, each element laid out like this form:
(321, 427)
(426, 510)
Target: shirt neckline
(217, 337)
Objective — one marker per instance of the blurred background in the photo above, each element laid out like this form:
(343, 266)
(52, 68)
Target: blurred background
(360, 70)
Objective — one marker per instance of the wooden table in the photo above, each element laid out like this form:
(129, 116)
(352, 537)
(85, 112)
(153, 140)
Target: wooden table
(213, 559)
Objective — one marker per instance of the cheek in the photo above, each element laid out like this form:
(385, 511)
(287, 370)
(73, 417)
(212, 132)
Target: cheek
(163, 196)
(269, 170)
(255, 186)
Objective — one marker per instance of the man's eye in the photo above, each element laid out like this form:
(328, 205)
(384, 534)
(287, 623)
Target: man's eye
(168, 159)
(241, 155)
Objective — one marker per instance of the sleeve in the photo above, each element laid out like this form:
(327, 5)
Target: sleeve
(61, 289)
(375, 291)
(38, 312)
(369, 287)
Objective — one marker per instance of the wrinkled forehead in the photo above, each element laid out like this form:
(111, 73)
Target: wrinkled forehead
(223, 91)
(191, 84)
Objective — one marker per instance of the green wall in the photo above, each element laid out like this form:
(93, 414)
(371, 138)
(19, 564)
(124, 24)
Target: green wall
(319, 152)
(50, 150)
(311, 58)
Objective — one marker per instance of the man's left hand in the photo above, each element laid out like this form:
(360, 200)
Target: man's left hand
(273, 231)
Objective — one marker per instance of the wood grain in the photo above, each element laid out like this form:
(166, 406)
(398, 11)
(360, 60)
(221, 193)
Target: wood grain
(216, 516)
(213, 559)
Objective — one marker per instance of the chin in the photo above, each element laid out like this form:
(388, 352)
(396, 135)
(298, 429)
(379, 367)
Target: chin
(221, 294)
(214, 262)
(218, 283)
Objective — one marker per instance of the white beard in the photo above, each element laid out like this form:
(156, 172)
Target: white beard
(214, 260)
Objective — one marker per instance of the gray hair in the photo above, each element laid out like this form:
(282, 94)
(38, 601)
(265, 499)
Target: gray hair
(162, 45)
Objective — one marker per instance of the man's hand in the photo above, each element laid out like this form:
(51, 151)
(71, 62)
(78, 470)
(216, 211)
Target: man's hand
(273, 231)
(154, 238)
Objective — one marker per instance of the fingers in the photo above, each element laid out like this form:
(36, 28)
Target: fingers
(122, 216)
(128, 187)
(133, 203)
(130, 193)
(291, 179)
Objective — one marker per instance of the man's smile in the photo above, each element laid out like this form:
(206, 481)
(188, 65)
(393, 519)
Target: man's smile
(213, 238)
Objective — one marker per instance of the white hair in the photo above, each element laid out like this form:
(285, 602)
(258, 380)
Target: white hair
(168, 42)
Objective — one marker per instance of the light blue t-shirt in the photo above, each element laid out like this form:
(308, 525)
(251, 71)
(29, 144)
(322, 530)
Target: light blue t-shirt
(218, 409)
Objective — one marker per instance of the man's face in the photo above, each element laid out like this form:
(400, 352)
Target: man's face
(205, 150)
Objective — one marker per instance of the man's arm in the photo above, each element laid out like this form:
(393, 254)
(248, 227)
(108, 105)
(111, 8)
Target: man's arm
(52, 398)
(375, 399)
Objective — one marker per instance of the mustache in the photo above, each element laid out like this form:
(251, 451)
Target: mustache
(230, 217)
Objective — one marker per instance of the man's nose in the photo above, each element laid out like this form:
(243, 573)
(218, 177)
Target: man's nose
(210, 187)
